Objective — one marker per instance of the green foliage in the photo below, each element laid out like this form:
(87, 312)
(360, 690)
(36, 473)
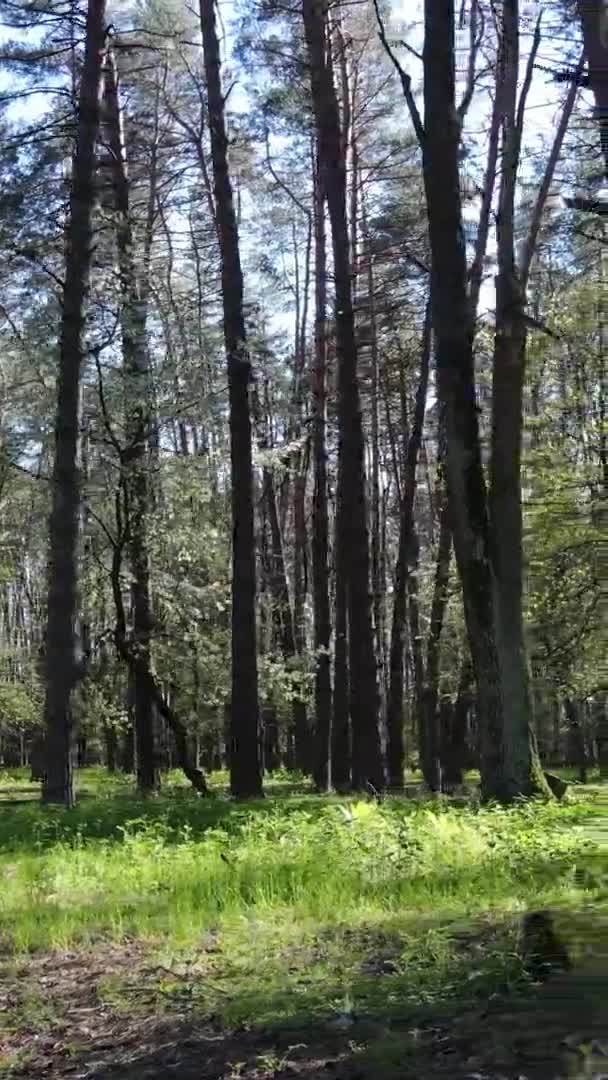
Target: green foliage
(293, 914)
(20, 707)
(116, 868)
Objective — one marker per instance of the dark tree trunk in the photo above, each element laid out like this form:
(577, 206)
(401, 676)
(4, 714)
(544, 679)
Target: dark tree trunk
(519, 768)
(245, 773)
(577, 751)
(453, 333)
(431, 766)
(140, 672)
(599, 721)
(351, 514)
(282, 613)
(320, 518)
(405, 559)
(270, 728)
(62, 639)
(134, 459)
(340, 731)
(305, 751)
(454, 726)
(592, 14)
(37, 759)
(111, 741)
(377, 562)
(127, 756)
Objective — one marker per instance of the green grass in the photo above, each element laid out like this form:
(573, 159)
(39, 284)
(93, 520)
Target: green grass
(294, 909)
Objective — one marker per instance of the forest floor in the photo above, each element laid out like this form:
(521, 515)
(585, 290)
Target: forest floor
(297, 937)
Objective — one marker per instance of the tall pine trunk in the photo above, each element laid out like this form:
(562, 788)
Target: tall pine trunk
(520, 768)
(320, 518)
(453, 332)
(245, 772)
(351, 514)
(594, 19)
(135, 466)
(62, 639)
(405, 563)
(428, 718)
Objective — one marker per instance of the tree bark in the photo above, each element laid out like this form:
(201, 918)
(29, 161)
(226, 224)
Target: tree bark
(429, 720)
(454, 732)
(520, 767)
(320, 517)
(62, 639)
(577, 751)
(351, 514)
(594, 22)
(134, 458)
(407, 546)
(140, 671)
(377, 565)
(341, 752)
(453, 332)
(245, 772)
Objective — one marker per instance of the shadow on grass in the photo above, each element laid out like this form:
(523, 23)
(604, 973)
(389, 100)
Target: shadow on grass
(395, 1028)
(25, 821)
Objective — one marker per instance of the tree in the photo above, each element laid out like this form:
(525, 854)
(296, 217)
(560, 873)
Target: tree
(63, 658)
(352, 545)
(594, 23)
(245, 776)
(134, 479)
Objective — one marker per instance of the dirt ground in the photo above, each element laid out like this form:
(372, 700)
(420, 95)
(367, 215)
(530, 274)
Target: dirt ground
(61, 1015)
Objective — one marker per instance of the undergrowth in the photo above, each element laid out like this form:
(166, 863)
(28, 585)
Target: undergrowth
(294, 904)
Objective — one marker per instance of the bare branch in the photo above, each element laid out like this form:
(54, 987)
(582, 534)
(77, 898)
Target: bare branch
(525, 90)
(529, 246)
(476, 31)
(483, 228)
(281, 183)
(406, 82)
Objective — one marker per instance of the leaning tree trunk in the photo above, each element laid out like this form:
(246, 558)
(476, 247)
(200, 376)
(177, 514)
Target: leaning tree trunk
(351, 517)
(407, 546)
(62, 639)
(134, 464)
(245, 773)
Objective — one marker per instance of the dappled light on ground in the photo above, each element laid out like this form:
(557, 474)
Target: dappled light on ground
(301, 936)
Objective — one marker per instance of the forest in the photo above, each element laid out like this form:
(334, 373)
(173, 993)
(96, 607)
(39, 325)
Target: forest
(303, 520)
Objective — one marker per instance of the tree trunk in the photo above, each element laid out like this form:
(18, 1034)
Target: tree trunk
(351, 516)
(407, 546)
(320, 517)
(304, 752)
(577, 751)
(429, 719)
(245, 773)
(139, 670)
(453, 333)
(111, 741)
(134, 459)
(520, 770)
(454, 732)
(594, 23)
(377, 565)
(282, 612)
(340, 732)
(62, 639)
